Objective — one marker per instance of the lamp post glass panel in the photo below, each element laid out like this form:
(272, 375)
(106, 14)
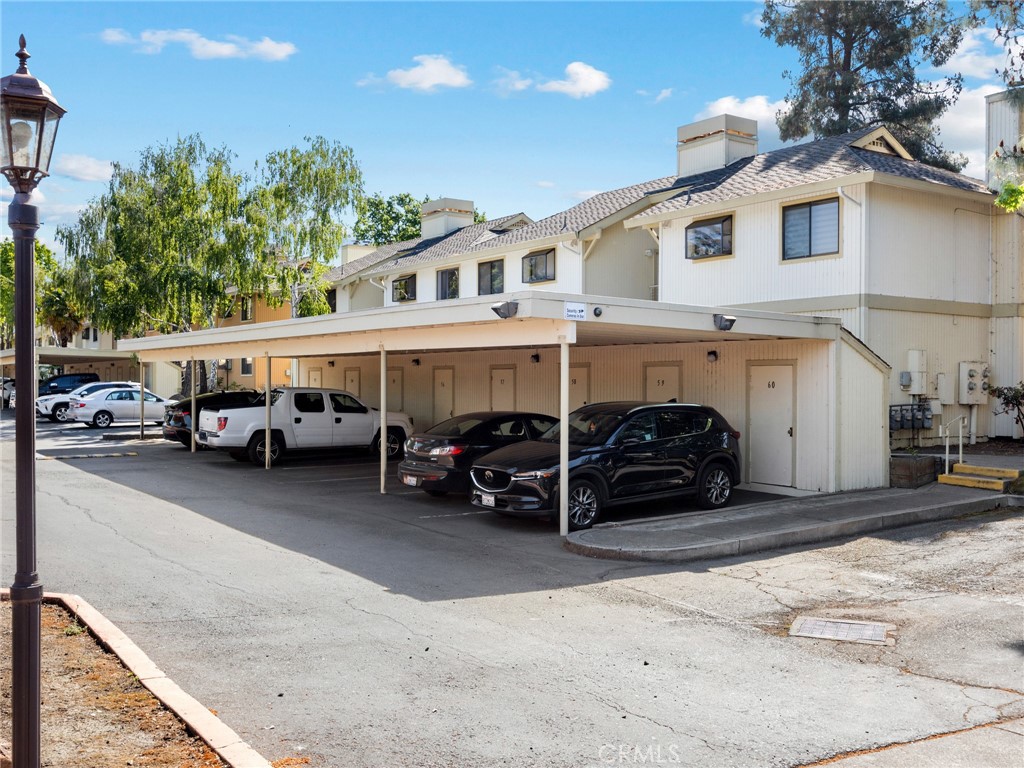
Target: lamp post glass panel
(29, 116)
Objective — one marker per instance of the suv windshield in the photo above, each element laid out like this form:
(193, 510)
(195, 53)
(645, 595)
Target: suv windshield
(586, 428)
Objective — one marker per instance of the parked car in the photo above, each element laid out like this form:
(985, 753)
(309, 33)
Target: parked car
(178, 419)
(6, 388)
(55, 407)
(103, 408)
(439, 460)
(301, 418)
(62, 383)
(618, 452)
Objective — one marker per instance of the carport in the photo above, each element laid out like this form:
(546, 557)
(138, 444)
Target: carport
(724, 355)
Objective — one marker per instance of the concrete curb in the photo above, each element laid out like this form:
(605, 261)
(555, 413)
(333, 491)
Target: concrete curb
(786, 534)
(223, 740)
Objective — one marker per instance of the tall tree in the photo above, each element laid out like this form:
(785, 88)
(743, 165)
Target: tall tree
(388, 220)
(46, 262)
(303, 194)
(859, 61)
(58, 309)
(1007, 20)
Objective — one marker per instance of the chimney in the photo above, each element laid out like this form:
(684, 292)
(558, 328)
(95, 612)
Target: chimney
(352, 251)
(1004, 121)
(714, 143)
(439, 217)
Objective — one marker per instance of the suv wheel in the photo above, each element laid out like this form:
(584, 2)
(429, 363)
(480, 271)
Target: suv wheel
(714, 488)
(59, 413)
(584, 505)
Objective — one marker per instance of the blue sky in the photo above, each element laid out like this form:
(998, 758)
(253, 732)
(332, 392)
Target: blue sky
(526, 106)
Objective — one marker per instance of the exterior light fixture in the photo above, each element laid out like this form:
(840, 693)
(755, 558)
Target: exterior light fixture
(712, 356)
(505, 309)
(29, 116)
(535, 357)
(415, 361)
(724, 322)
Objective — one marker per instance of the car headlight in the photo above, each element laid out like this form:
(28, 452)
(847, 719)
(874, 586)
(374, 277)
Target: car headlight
(541, 474)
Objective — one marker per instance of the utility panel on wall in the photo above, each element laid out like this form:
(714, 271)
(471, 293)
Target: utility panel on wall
(917, 366)
(974, 383)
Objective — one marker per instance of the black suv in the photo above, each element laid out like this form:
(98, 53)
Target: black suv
(618, 452)
(63, 383)
(178, 418)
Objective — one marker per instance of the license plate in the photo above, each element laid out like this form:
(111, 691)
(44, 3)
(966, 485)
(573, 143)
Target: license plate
(487, 499)
(410, 480)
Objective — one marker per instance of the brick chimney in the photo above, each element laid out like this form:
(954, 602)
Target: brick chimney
(444, 215)
(714, 143)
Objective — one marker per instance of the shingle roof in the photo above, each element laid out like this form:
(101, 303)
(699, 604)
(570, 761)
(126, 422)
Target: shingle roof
(821, 160)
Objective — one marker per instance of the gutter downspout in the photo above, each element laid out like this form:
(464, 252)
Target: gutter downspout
(862, 309)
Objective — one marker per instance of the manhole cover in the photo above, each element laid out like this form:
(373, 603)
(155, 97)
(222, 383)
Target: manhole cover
(845, 630)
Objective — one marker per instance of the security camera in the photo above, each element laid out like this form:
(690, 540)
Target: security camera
(724, 322)
(505, 309)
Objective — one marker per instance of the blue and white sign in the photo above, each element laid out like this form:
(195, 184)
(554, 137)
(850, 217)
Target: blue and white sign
(575, 311)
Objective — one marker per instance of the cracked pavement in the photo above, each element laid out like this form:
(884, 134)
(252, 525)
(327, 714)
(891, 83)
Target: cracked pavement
(322, 619)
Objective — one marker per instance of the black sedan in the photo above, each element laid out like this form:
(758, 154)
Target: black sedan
(439, 459)
(618, 452)
(178, 419)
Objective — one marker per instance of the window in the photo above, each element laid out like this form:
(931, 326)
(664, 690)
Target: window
(491, 276)
(538, 267)
(246, 309)
(332, 299)
(247, 366)
(342, 403)
(95, 334)
(710, 237)
(682, 423)
(448, 283)
(811, 229)
(85, 334)
(403, 288)
(641, 429)
(309, 402)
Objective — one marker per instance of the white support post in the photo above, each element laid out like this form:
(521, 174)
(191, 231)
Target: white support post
(383, 418)
(563, 437)
(142, 401)
(194, 417)
(266, 426)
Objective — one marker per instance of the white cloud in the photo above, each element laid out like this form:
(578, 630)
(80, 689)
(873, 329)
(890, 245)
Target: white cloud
(82, 167)
(431, 72)
(581, 80)
(962, 127)
(663, 94)
(755, 108)
(978, 56)
(511, 82)
(753, 18)
(153, 41)
(546, 184)
(586, 194)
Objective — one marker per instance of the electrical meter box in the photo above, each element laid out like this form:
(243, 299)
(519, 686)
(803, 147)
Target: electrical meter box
(975, 380)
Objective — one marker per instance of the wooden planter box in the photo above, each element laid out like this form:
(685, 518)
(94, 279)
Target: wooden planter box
(912, 471)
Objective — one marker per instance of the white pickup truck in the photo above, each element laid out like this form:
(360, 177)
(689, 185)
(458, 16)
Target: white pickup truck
(300, 418)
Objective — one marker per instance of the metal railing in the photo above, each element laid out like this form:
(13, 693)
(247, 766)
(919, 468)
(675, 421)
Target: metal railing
(944, 434)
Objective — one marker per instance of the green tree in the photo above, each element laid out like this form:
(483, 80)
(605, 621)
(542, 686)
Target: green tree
(45, 263)
(304, 193)
(1007, 19)
(1011, 401)
(58, 309)
(859, 62)
(383, 220)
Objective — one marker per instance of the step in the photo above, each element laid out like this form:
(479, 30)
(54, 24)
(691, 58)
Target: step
(974, 469)
(975, 481)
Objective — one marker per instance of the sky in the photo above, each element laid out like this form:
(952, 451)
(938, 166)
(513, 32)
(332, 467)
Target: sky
(528, 106)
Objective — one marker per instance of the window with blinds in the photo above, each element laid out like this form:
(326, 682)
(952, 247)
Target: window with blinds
(810, 229)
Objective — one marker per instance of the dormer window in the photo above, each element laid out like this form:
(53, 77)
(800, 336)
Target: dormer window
(539, 267)
(403, 288)
(709, 237)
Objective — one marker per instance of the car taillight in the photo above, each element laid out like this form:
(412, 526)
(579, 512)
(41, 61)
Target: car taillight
(735, 433)
(448, 450)
(81, 405)
(222, 421)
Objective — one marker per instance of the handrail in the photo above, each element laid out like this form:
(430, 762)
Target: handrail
(944, 433)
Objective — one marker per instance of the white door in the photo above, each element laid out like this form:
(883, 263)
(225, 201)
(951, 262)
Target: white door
(770, 426)
(444, 394)
(503, 389)
(314, 377)
(395, 389)
(579, 386)
(662, 383)
(352, 380)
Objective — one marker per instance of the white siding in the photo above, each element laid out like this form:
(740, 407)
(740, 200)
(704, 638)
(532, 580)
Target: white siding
(617, 265)
(617, 373)
(756, 272)
(863, 423)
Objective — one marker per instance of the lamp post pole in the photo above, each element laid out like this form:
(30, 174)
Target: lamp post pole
(29, 116)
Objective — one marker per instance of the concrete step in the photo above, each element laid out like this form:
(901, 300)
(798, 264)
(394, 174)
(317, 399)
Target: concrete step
(975, 481)
(975, 469)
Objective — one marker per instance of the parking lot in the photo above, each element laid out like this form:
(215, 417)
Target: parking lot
(320, 618)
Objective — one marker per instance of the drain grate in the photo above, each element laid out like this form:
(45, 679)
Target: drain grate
(844, 630)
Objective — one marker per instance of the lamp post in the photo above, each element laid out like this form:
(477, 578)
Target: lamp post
(28, 126)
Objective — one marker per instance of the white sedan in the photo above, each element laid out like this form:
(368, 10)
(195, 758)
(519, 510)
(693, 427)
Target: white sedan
(55, 407)
(103, 408)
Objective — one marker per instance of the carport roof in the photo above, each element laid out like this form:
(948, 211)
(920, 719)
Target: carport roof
(541, 319)
(68, 355)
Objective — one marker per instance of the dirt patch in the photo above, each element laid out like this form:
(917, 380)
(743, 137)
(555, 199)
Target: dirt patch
(997, 446)
(94, 711)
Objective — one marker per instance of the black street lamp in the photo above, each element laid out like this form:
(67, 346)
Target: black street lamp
(28, 126)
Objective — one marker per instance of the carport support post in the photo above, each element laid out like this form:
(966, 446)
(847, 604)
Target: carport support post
(383, 418)
(142, 400)
(266, 428)
(563, 437)
(194, 417)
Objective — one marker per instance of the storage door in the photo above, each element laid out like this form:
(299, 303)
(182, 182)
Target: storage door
(770, 426)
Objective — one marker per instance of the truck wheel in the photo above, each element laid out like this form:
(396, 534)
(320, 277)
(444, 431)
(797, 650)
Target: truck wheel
(396, 443)
(258, 447)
